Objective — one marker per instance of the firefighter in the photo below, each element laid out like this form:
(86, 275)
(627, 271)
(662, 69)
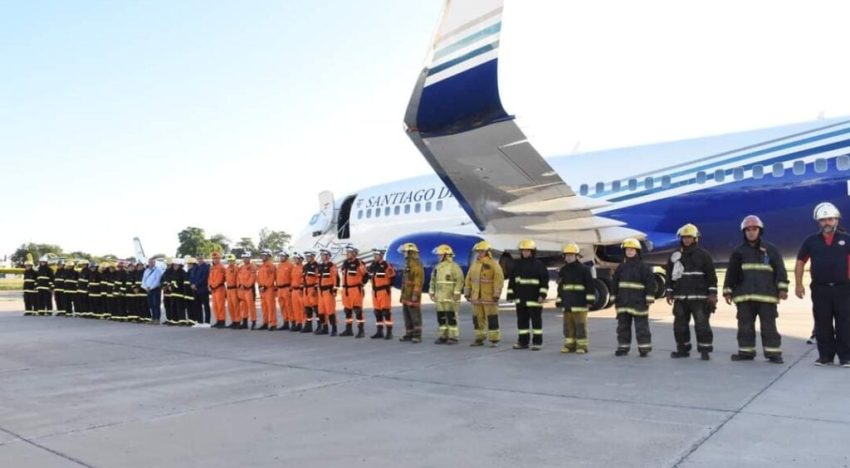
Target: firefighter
(44, 283)
(445, 290)
(247, 278)
(483, 287)
(168, 297)
(71, 281)
(59, 288)
(528, 285)
(185, 297)
(633, 289)
(119, 280)
(193, 307)
(265, 280)
(177, 314)
(411, 292)
(328, 284)
(381, 274)
(231, 282)
(217, 290)
(93, 296)
(283, 289)
(755, 281)
(142, 310)
(353, 277)
(575, 294)
(692, 290)
(310, 274)
(107, 291)
(828, 251)
(81, 300)
(296, 283)
(30, 292)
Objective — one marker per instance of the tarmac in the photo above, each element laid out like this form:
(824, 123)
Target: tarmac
(76, 392)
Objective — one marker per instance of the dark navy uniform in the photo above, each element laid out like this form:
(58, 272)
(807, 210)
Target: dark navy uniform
(30, 293)
(692, 281)
(633, 288)
(575, 293)
(529, 281)
(830, 269)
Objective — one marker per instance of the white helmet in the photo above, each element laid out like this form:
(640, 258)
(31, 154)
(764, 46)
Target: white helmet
(826, 210)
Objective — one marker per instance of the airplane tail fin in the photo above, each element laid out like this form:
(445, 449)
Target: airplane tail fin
(458, 88)
(139, 251)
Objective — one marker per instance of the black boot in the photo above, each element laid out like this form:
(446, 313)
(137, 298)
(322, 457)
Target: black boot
(296, 328)
(262, 327)
(285, 326)
(379, 333)
(253, 325)
(680, 354)
(775, 359)
(704, 355)
(333, 329)
(322, 330)
(643, 353)
(360, 333)
(244, 325)
(389, 334)
(621, 352)
(348, 331)
(308, 327)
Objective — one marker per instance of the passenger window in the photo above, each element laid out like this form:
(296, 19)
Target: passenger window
(427, 206)
(778, 170)
(701, 177)
(387, 211)
(369, 213)
(359, 214)
(719, 175)
(600, 187)
(665, 181)
(758, 171)
(615, 186)
(406, 209)
(632, 184)
(583, 189)
(397, 210)
(820, 166)
(648, 182)
(377, 212)
(417, 208)
(842, 163)
(738, 173)
(799, 168)
(439, 206)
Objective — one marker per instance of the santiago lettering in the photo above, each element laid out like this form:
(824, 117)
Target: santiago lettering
(401, 198)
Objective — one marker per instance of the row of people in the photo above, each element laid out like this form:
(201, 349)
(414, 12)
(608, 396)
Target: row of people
(306, 292)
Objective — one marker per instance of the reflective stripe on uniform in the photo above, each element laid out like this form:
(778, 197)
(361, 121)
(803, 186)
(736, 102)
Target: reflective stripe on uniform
(756, 267)
(630, 285)
(756, 298)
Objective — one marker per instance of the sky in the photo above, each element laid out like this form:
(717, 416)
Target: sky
(139, 118)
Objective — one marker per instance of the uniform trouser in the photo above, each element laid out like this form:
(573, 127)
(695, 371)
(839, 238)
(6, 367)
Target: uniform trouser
(297, 298)
(447, 324)
(119, 304)
(311, 302)
(525, 313)
(59, 298)
(485, 319)
(352, 302)
(247, 307)
(166, 300)
(81, 302)
(70, 302)
(327, 307)
(766, 313)
(624, 331)
(267, 302)
(30, 301)
(154, 299)
(575, 330)
(219, 297)
(45, 300)
(832, 321)
(284, 301)
(94, 304)
(233, 304)
(412, 320)
(683, 310)
(201, 312)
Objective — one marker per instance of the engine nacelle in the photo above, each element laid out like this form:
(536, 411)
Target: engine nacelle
(427, 242)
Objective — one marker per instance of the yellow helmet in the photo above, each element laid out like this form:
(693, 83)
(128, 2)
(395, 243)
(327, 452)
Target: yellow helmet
(82, 262)
(571, 248)
(230, 257)
(408, 247)
(69, 264)
(483, 245)
(189, 259)
(631, 243)
(527, 244)
(444, 249)
(688, 230)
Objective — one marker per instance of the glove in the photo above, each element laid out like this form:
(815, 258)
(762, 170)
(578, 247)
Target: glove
(669, 298)
(712, 299)
(728, 298)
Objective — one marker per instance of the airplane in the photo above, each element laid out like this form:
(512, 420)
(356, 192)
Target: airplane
(490, 183)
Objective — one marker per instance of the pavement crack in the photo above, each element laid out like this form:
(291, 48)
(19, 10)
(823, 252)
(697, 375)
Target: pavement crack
(45, 448)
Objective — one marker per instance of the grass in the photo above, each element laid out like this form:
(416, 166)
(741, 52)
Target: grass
(11, 284)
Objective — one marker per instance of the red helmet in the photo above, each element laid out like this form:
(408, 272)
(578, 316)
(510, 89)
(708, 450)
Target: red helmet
(752, 221)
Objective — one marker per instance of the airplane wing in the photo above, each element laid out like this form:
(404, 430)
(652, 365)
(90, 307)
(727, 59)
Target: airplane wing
(456, 120)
